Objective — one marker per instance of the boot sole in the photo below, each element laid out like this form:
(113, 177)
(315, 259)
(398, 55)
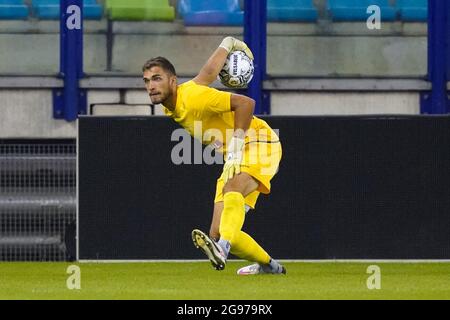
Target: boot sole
(203, 242)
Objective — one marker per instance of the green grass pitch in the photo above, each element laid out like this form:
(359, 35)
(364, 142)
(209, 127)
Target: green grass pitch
(197, 280)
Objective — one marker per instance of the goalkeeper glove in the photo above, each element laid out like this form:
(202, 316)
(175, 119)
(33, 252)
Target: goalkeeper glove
(234, 159)
(232, 44)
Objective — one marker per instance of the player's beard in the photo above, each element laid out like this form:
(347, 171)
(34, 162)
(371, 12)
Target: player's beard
(160, 98)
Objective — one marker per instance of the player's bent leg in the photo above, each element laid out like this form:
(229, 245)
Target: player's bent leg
(232, 219)
(213, 251)
(215, 223)
(242, 183)
(233, 208)
(245, 247)
(233, 213)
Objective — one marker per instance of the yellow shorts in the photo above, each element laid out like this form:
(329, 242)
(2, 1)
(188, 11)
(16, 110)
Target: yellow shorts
(261, 161)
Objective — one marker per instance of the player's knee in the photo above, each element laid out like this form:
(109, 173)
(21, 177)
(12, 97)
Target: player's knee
(230, 188)
(236, 184)
(242, 183)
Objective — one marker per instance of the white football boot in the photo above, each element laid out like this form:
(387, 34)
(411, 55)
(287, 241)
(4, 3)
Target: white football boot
(259, 269)
(210, 248)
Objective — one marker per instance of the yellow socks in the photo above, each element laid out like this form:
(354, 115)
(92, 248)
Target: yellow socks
(233, 216)
(245, 247)
(231, 222)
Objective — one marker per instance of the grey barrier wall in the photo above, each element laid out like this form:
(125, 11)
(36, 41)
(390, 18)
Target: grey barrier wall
(361, 187)
(37, 199)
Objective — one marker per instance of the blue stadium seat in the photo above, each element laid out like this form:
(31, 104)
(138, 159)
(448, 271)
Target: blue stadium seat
(356, 10)
(291, 10)
(49, 9)
(13, 9)
(211, 13)
(413, 10)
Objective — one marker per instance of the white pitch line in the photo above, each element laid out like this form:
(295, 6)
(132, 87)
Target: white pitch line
(281, 260)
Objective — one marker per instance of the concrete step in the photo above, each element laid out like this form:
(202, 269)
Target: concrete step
(30, 163)
(28, 250)
(48, 205)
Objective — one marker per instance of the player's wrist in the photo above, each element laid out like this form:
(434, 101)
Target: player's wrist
(236, 145)
(227, 44)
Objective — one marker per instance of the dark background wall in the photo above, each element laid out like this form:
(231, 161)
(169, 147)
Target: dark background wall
(348, 187)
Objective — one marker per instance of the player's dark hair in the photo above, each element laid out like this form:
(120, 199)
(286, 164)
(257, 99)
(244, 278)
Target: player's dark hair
(160, 62)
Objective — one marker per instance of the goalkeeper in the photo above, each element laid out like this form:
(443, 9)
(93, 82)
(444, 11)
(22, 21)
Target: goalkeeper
(252, 152)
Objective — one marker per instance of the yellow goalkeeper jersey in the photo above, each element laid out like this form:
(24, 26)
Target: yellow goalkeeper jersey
(206, 114)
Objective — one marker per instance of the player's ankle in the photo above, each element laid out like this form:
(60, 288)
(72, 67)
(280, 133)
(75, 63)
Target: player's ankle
(225, 245)
(275, 266)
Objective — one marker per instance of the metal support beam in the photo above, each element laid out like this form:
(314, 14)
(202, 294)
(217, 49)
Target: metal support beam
(70, 101)
(438, 102)
(255, 35)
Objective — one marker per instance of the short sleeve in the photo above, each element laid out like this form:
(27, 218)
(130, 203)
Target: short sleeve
(210, 100)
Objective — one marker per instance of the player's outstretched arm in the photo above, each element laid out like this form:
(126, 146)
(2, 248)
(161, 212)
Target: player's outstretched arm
(209, 72)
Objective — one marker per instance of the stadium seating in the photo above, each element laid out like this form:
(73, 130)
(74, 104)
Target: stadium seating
(13, 9)
(413, 10)
(49, 9)
(291, 10)
(356, 10)
(211, 13)
(156, 10)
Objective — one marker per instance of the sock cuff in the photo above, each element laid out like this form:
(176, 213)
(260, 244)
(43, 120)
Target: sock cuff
(234, 195)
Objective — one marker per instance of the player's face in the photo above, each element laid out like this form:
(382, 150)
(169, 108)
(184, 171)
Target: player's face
(158, 84)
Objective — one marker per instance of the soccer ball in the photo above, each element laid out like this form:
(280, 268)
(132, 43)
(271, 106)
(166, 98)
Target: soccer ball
(237, 71)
